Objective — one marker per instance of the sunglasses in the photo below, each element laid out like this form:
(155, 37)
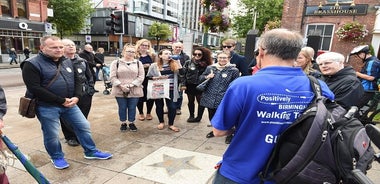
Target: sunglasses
(227, 46)
(129, 51)
(197, 54)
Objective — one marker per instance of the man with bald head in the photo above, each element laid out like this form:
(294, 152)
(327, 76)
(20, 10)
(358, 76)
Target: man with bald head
(277, 88)
(49, 77)
(88, 54)
(177, 49)
(342, 80)
(83, 73)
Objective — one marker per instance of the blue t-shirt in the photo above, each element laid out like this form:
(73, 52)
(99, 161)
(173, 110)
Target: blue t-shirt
(260, 107)
(371, 68)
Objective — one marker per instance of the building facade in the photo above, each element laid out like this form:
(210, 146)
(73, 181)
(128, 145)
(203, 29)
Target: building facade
(22, 23)
(182, 17)
(319, 20)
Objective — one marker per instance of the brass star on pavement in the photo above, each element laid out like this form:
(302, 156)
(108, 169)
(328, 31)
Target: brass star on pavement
(173, 165)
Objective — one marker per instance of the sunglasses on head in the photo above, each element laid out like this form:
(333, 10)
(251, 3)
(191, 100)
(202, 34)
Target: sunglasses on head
(227, 46)
(197, 54)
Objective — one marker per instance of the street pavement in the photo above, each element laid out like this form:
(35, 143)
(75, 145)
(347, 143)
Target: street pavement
(148, 156)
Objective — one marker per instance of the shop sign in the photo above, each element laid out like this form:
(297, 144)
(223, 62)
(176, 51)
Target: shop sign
(341, 10)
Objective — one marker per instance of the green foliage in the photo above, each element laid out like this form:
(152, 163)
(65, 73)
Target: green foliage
(160, 31)
(70, 16)
(268, 10)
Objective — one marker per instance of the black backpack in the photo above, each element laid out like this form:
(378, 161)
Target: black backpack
(323, 145)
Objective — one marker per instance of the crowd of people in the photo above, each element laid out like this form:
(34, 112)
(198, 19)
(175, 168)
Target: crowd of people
(63, 81)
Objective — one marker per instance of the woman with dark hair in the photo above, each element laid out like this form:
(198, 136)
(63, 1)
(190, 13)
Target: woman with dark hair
(192, 70)
(166, 68)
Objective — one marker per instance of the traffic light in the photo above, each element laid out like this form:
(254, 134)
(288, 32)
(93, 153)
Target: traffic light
(115, 25)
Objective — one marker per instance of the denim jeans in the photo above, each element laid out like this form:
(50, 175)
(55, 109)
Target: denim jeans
(220, 179)
(179, 100)
(127, 104)
(172, 107)
(49, 115)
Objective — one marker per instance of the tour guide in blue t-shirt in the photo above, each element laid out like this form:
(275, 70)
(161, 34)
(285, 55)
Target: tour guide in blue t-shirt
(262, 106)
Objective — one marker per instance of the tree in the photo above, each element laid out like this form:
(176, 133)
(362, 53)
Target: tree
(70, 16)
(160, 31)
(268, 10)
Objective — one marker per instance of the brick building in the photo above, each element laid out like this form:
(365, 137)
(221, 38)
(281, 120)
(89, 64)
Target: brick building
(318, 20)
(22, 23)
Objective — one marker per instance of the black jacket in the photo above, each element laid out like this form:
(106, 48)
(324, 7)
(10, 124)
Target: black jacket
(193, 69)
(346, 86)
(240, 62)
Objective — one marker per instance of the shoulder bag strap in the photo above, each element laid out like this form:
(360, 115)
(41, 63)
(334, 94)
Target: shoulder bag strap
(55, 77)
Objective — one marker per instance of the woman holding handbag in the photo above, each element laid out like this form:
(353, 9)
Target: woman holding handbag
(127, 75)
(166, 68)
(220, 75)
(192, 70)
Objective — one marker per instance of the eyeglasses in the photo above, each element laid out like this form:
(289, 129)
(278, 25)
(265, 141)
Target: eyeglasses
(227, 46)
(197, 54)
(144, 45)
(130, 51)
(222, 57)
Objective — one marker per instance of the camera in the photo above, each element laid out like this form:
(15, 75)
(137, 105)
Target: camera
(175, 57)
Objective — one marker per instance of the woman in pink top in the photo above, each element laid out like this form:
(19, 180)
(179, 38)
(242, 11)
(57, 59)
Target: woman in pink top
(127, 75)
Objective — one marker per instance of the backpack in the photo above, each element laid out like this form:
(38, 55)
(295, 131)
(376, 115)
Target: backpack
(323, 145)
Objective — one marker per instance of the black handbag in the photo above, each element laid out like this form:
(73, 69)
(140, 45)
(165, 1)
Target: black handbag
(202, 86)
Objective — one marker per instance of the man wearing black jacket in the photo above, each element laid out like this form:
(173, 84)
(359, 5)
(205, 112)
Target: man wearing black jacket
(341, 80)
(228, 46)
(89, 55)
(83, 73)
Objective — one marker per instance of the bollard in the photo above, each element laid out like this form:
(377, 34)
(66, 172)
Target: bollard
(250, 44)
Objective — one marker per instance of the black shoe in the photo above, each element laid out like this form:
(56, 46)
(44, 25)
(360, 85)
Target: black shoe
(72, 142)
(194, 120)
(209, 135)
(123, 127)
(132, 127)
(190, 119)
(229, 139)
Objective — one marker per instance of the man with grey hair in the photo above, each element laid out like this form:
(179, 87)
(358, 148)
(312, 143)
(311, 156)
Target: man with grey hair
(262, 106)
(341, 80)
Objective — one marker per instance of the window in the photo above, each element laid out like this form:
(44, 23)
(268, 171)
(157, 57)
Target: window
(21, 8)
(5, 7)
(323, 30)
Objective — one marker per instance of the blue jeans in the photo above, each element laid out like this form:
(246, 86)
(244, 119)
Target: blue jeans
(49, 115)
(127, 104)
(220, 179)
(179, 100)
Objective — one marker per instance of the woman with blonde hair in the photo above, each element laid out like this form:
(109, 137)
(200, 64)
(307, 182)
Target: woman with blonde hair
(166, 68)
(305, 61)
(127, 75)
(145, 54)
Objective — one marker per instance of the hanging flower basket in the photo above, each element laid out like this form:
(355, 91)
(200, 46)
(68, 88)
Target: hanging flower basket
(215, 21)
(352, 31)
(215, 4)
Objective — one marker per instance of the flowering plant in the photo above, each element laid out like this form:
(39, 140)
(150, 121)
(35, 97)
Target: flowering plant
(215, 21)
(353, 31)
(215, 4)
